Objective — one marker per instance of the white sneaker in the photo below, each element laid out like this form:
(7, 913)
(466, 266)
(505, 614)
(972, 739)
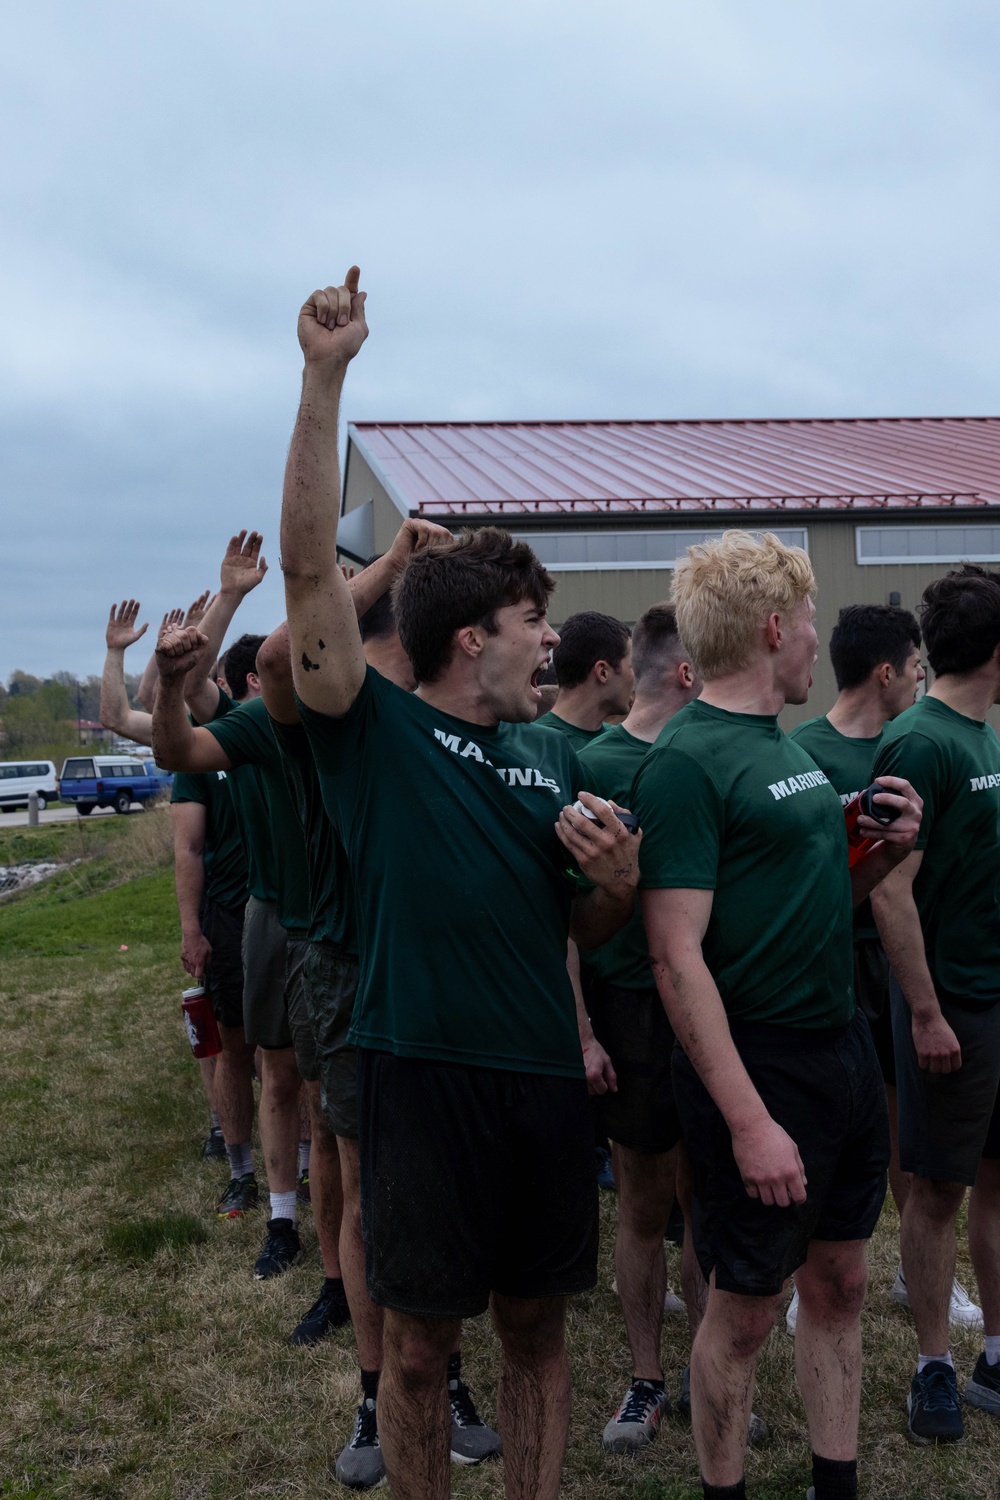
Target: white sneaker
(673, 1305)
(962, 1311)
(792, 1315)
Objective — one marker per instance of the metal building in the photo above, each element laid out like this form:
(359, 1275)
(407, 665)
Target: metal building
(881, 505)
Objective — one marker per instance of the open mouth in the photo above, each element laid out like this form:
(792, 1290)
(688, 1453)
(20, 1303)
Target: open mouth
(533, 679)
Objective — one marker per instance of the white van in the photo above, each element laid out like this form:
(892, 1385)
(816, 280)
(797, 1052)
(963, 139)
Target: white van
(19, 777)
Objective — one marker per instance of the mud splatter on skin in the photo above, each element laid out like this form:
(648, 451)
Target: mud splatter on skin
(309, 666)
(322, 645)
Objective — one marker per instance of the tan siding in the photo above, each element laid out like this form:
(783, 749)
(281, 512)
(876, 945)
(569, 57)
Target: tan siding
(363, 486)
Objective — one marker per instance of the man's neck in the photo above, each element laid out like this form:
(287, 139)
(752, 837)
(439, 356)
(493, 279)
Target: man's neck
(858, 714)
(972, 694)
(647, 716)
(580, 707)
(751, 691)
(462, 700)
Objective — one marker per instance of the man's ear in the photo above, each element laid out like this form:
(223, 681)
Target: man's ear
(885, 672)
(469, 640)
(772, 631)
(253, 681)
(601, 672)
(685, 674)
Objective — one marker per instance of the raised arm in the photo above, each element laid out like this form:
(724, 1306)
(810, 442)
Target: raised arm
(328, 664)
(274, 672)
(768, 1158)
(116, 711)
(242, 569)
(177, 744)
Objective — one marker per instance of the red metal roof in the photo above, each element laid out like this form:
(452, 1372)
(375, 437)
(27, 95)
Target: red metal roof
(549, 468)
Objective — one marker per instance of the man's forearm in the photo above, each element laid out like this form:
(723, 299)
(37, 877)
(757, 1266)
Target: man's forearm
(310, 505)
(871, 871)
(116, 711)
(698, 1017)
(200, 693)
(189, 883)
(173, 736)
(598, 915)
(898, 923)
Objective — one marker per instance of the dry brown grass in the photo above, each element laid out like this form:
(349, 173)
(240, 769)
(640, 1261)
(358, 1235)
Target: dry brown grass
(173, 1377)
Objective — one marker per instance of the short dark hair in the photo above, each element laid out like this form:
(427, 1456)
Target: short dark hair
(378, 621)
(960, 617)
(865, 636)
(654, 639)
(585, 639)
(241, 659)
(461, 582)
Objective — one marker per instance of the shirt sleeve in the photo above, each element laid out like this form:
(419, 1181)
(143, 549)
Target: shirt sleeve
(682, 815)
(918, 760)
(188, 788)
(246, 738)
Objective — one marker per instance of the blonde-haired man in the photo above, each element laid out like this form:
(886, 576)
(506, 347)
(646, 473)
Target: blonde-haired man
(747, 901)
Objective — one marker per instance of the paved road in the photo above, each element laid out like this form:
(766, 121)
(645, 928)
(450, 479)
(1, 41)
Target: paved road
(19, 818)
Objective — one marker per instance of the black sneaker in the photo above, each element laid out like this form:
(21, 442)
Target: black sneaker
(471, 1439)
(934, 1406)
(328, 1312)
(361, 1465)
(214, 1146)
(241, 1195)
(281, 1250)
(302, 1187)
(983, 1390)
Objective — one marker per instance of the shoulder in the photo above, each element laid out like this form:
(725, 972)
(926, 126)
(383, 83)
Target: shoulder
(811, 729)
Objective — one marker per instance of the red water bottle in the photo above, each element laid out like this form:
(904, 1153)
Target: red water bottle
(202, 1030)
(859, 845)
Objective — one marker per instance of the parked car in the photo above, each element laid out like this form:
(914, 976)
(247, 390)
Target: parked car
(89, 781)
(19, 777)
(165, 778)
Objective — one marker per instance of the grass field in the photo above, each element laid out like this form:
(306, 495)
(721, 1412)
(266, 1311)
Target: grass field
(140, 1359)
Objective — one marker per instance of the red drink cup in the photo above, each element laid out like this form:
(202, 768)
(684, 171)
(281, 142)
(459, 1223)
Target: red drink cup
(202, 1030)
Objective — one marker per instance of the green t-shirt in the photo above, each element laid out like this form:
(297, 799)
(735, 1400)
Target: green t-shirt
(953, 763)
(224, 859)
(329, 879)
(250, 805)
(727, 803)
(578, 738)
(461, 900)
(608, 767)
(244, 732)
(848, 765)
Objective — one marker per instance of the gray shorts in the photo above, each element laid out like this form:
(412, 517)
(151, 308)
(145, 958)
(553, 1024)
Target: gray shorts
(331, 983)
(948, 1121)
(265, 944)
(300, 1021)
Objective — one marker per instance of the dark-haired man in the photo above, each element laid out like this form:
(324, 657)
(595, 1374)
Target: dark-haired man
(446, 801)
(593, 667)
(629, 1021)
(939, 918)
(875, 653)
(239, 740)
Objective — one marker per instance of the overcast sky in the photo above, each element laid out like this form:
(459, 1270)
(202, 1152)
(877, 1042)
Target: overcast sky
(750, 208)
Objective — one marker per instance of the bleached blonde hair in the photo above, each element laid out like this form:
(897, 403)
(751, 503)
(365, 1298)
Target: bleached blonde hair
(725, 590)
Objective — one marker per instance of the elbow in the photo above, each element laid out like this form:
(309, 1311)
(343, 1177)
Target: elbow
(274, 659)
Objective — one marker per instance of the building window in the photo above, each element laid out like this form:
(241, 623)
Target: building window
(926, 544)
(595, 551)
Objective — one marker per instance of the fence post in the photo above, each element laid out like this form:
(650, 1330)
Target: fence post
(32, 809)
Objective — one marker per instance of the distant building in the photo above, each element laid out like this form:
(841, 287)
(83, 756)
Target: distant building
(882, 505)
(90, 732)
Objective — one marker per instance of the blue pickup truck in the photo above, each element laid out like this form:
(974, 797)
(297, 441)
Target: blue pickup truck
(90, 781)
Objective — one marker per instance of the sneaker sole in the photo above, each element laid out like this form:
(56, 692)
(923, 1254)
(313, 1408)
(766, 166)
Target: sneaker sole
(983, 1397)
(625, 1445)
(467, 1462)
(926, 1442)
(359, 1484)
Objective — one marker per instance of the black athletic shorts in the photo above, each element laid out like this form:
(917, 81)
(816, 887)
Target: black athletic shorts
(223, 928)
(871, 991)
(824, 1088)
(632, 1027)
(473, 1180)
(949, 1121)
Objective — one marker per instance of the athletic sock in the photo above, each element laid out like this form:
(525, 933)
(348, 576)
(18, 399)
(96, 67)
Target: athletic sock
(835, 1478)
(725, 1491)
(656, 1385)
(240, 1159)
(283, 1206)
(215, 1120)
(455, 1366)
(304, 1156)
(938, 1359)
(369, 1384)
(993, 1348)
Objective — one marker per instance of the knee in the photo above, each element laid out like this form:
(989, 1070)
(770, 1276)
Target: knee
(937, 1201)
(281, 1081)
(418, 1355)
(531, 1333)
(835, 1295)
(745, 1321)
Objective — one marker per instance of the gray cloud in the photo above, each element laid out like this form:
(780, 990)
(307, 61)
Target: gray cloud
(579, 209)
